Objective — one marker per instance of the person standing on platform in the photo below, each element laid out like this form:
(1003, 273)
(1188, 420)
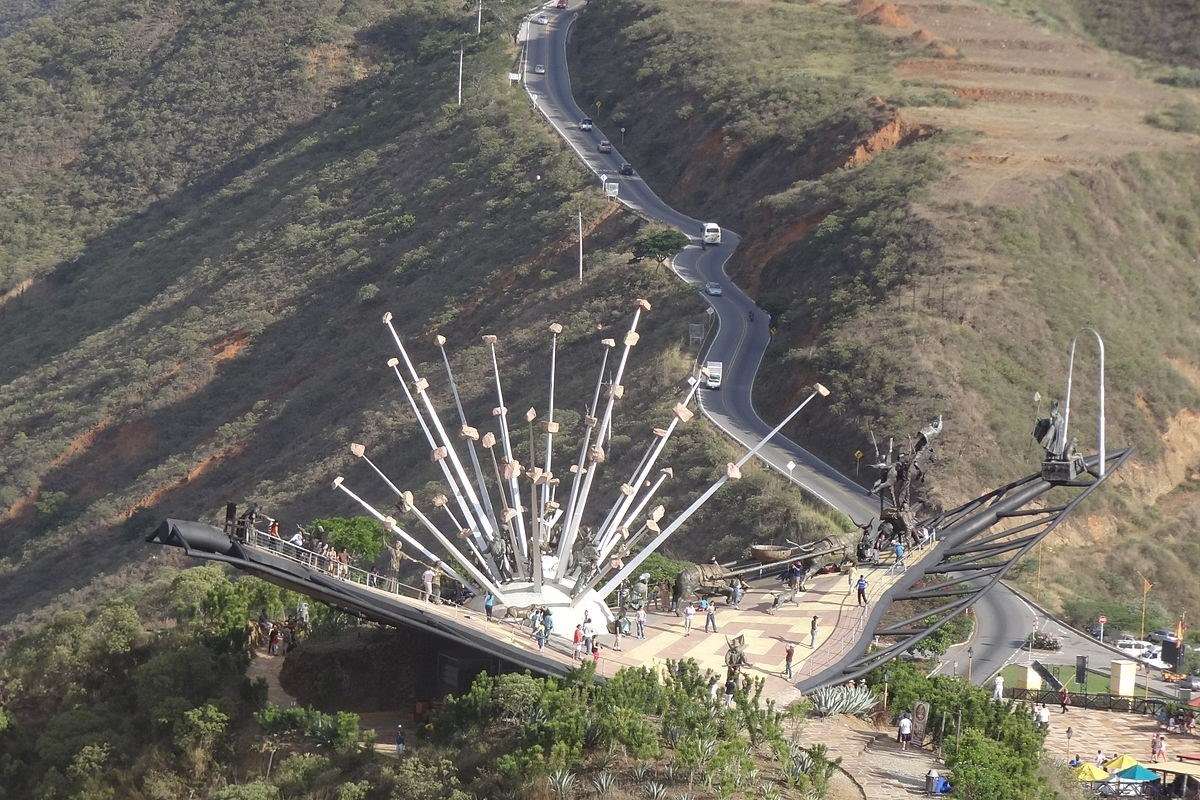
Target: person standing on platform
(688, 613)
(710, 617)
(862, 590)
(641, 622)
(427, 583)
(812, 643)
(788, 654)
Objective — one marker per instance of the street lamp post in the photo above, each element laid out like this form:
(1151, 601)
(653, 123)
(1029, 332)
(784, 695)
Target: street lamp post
(970, 660)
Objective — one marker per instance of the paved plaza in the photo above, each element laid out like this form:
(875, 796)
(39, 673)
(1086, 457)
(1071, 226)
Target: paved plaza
(830, 598)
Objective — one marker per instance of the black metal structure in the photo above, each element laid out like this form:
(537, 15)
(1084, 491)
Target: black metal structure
(972, 555)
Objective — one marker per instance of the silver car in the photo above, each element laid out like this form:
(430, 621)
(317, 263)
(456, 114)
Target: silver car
(713, 288)
(539, 69)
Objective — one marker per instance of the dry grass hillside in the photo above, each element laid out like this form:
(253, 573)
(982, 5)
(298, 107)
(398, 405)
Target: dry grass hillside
(934, 197)
(197, 268)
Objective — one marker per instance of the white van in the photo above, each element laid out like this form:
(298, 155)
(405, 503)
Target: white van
(713, 370)
(712, 233)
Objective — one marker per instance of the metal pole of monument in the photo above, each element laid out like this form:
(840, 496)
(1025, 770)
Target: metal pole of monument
(630, 486)
(489, 444)
(565, 540)
(607, 537)
(548, 457)
(460, 72)
(446, 543)
(394, 527)
(581, 248)
(502, 412)
(479, 18)
(614, 392)
(484, 494)
(394, 364)
(477, 517)
(535, 527)
(732, 471)
(1100, 426)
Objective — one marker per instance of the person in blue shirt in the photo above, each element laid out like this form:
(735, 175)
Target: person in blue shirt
(862, 590)
(489, 602)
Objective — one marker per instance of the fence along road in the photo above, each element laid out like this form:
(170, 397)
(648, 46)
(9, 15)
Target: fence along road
(740, 341)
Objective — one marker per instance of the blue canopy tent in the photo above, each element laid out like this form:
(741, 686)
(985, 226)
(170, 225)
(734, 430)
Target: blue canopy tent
(1136, 773)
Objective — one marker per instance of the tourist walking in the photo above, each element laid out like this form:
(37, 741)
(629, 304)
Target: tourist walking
(688, 612)
(400, 744)
(812, 642)
(904, 730)
(621, 621)
(427, 583)
(998, 688)
(489, 602)
(898, 550)
(730, 688)
(547, 622)
(862, 590)
(710, 617)
(641, 622)
(596, 654)
(788, 654)
(1064, 699)
(577, 640)
(736, 592)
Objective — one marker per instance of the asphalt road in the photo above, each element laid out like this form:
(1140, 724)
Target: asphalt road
(1002, 618)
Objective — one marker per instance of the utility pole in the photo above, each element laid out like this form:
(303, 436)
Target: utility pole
(581, 248)
(460, 71)
(1146, 586)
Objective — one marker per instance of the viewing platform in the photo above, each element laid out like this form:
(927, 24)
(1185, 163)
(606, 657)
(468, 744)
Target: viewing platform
(831, 598)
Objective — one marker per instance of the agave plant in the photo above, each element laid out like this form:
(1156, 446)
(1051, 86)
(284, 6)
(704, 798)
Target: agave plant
(655, 791)
(607, 759)
(562, 781)
(668, 772)
(832, 700)
(768, 791)
(604, 782)
(671, 734)
(640, 771)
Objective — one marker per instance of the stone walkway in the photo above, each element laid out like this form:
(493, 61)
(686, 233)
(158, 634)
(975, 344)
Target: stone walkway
(1112, 732)
(871, 757)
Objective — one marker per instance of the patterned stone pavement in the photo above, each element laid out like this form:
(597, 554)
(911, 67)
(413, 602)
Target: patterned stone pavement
(1112, 732)
(831, 598)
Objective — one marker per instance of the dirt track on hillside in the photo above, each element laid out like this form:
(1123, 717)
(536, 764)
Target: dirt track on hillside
(1038, 103)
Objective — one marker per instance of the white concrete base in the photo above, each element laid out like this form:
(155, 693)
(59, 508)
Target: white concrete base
(557, 598)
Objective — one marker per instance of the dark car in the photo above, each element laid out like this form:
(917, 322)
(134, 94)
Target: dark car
(605, 146)
(627, 168)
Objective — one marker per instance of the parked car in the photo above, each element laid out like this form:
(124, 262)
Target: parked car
(542, 19)
(605, 146)
(1137, 648)
(585, 124)
(713, 288)
(1162, 635)
(539, 69)
(627, 169)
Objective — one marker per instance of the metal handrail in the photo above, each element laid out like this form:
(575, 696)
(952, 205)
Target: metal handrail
(330, 566)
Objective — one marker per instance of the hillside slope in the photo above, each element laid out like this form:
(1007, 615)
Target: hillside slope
(202, 278)
(933, 198)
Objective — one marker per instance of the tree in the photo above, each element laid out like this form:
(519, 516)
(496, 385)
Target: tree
(659, 244)
(362, 537)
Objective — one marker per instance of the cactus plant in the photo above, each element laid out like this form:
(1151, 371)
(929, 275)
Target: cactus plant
(562, 781)
(832, 700)
(604, 782)
(655, 791)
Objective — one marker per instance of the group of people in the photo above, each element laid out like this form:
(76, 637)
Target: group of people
(281, 638)
(706, 607)
(318, 553)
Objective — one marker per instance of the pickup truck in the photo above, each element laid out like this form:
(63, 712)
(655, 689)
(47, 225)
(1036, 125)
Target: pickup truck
(713, 370)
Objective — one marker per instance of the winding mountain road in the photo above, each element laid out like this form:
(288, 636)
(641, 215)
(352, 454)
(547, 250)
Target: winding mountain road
(742, 329)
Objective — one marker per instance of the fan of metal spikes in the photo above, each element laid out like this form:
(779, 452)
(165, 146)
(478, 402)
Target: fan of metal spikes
(518, 530)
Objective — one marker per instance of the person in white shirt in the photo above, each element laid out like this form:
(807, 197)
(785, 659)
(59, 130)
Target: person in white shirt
(427, 579)
(998, 688)
(905, 731)
(297, 539)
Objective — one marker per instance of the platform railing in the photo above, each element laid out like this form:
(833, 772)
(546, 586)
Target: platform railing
(330, 566)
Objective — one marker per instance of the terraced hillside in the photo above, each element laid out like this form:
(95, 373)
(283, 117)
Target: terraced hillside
(207, 209)
(933, 198)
